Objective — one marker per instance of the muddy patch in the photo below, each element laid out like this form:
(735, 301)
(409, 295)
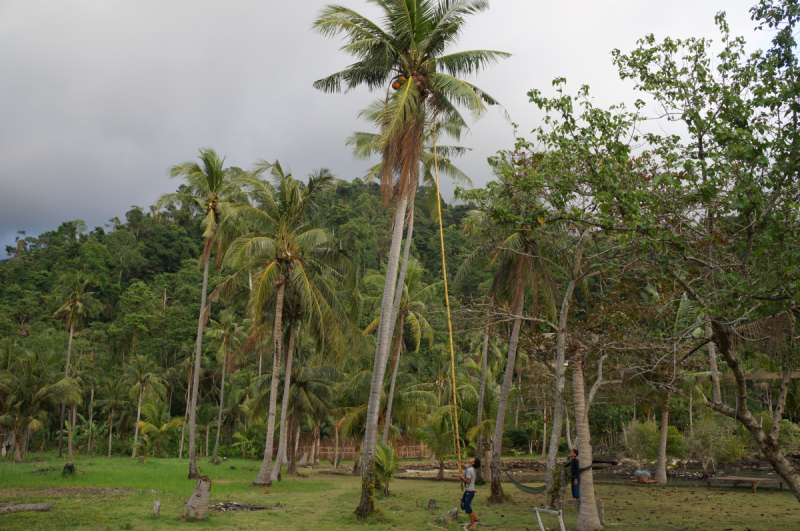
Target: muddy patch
(57, 492)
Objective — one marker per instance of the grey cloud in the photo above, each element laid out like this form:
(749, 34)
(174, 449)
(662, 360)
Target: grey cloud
(98, 98)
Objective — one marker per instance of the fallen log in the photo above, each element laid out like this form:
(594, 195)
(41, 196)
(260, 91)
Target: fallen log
(22, 507)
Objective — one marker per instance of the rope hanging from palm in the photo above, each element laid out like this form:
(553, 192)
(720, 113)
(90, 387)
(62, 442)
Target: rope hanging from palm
(447, 304)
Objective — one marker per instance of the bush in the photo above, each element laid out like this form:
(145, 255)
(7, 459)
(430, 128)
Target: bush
(518, 437)
(714, 441)
(790, 434)
(677, 446)
(643, 440)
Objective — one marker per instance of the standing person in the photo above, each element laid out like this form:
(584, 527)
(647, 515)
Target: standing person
(469, 490)
(575, 475)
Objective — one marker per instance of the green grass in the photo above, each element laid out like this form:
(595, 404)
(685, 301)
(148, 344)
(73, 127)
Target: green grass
(319, 501)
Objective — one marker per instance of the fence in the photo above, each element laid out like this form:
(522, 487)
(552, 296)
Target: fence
(405, 447)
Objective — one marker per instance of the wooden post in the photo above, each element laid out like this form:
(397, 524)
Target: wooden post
(156, 508)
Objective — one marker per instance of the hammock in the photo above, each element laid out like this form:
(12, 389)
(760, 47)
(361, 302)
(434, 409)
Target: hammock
(525, 488)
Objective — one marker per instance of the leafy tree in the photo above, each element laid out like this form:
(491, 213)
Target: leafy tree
(713, 441)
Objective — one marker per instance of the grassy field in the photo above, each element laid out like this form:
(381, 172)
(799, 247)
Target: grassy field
(119, 493)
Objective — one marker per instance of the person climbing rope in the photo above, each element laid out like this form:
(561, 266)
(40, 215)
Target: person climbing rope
(469, 490)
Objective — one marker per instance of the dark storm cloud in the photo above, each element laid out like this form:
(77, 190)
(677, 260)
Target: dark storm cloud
(99, 98)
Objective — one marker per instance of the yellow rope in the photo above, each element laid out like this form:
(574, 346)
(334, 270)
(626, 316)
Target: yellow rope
(447, 303)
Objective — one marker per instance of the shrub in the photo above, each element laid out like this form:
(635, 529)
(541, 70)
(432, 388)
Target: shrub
(518, 437)
(790, 434)
(643, 440)
(714, 441)
(677, 446)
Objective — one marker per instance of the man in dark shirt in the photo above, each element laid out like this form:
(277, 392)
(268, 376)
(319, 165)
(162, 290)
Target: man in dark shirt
(574, 473)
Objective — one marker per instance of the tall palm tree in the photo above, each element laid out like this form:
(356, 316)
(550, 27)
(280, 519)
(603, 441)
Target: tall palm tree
(32, 384)
(229, 335)
(211, 188)
(406, 54)
(282, 249)
(411, 309)
(144, 378)
(113, 397)
(77, 304)
(518, 267)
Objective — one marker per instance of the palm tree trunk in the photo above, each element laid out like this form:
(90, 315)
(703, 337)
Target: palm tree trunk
(72, 415)
(221, 403)
(293, 448)
(196, 384)
(397, 351)
(588, 519)
(287, 387)
(484, 362)
(183, 426)
(497, 443)
(260, 358)
(691, 423)
(313, 450)
(569, 436)
(17, 452)
(661, 466)
(66, 375)
(336, 448)
(366, 505)
(91, 411)
(263, 477)
(110, 430)
(138, 417)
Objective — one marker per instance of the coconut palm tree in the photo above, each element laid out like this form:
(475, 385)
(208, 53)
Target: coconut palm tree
(27, 389)
(407, 55)
(588, 518)
(518, 267)
(282, 250)
(211, 188)
(228, 335)
(113, 397)
(411, 309)
(144, 378)
(77, 304)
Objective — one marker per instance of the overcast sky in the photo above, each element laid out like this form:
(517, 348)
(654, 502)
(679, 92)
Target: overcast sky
(99, 98)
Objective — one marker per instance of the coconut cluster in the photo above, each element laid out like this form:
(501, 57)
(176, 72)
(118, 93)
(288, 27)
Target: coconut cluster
(419, 79)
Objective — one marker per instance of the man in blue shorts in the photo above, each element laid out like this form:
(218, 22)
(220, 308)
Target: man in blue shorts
(469, 490)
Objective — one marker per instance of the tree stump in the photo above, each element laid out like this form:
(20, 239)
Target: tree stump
(69, 469)
(156, 508)
(432, 504)
(197, 506)
(451, 516)
(37, 507)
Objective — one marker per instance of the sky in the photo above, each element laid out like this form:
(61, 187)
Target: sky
(98, 98)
